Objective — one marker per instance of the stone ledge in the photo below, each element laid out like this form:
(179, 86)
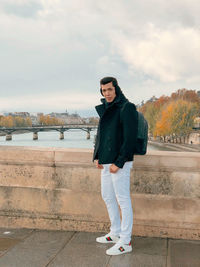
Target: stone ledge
(60, 189)
(89, 226)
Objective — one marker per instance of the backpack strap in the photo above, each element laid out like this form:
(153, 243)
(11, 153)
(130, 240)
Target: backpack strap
(122, 109)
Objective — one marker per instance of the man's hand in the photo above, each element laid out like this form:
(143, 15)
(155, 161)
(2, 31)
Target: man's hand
(99, 166)
(113, 168)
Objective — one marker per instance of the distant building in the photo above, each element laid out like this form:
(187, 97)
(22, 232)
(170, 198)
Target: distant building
(67, 118)
(194, 138)
(91, 120)
(37, 120)
(197, 123)
(19, 114)
(152, 99)
(34, 119)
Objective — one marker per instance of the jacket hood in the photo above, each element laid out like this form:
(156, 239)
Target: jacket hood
(119, 99)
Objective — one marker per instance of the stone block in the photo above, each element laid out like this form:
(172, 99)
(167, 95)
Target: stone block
(25, 175)
(82, 251)
(78, 178)
(37, 250)
(73, 156)
(22, 155)
(184, 253)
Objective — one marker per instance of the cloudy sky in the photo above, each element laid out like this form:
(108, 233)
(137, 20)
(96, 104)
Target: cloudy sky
(53, 52)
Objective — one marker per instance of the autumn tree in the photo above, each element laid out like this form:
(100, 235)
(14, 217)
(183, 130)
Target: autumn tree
(28, 122)
(10, 121)
(19, 121)
(152, 110)
(177, 120)
(157, 112)
(7, 121)
(151, 115)
(163, 125)
(47, 120)
(187, 95)
(182, 121)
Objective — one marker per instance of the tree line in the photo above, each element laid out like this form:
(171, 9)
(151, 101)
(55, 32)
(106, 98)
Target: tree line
(17, 121)
(48, 120)
(10, 121)
(171, 119)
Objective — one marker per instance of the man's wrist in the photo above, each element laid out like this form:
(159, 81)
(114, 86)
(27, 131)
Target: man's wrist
(119, 164)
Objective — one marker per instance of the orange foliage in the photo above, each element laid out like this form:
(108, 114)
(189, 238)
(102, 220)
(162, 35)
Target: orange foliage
(10, 121)
(187, 95)
(163, 125)
(7, 121)
(160, 102)
(157, 112)
(47, 120)
(177, 119)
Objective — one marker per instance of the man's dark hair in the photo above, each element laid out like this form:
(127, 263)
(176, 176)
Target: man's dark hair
(106, 80)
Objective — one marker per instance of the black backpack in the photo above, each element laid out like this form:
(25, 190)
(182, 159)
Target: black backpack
(142, 134)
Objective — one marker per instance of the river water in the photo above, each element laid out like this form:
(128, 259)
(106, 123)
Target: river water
(72, 139)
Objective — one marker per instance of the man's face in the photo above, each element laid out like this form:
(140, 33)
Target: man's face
(108, 91)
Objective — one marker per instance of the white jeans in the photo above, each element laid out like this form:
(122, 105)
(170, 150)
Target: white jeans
(115, 189)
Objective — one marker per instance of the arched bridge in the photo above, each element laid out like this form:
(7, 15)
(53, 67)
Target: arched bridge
(43, 128)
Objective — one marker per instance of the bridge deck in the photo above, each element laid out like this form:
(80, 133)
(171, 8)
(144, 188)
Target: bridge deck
(25, 247)
(43, 128)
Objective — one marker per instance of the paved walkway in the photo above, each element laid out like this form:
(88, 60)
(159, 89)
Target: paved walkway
(176, 147)
(34, 248)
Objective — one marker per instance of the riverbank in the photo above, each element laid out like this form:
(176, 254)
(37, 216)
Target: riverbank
(175, 147)
(18, 132)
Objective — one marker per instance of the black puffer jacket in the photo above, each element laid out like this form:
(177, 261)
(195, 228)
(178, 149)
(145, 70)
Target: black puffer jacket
(117, 131)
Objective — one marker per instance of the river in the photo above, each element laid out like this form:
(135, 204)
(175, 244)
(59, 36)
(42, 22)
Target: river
(72, 139)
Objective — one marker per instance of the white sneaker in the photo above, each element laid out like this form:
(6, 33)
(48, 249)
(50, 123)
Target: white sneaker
(119, 248)
(106, 239)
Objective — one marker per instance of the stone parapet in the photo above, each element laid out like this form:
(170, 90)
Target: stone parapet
(54, 188)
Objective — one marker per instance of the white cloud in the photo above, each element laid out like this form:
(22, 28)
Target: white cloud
(51, 102)
(48, 45)
(166, 55)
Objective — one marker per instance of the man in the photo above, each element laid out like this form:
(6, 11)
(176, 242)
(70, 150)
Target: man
(114, 151)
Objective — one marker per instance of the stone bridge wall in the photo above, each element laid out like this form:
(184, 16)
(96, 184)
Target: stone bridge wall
(48, 188)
